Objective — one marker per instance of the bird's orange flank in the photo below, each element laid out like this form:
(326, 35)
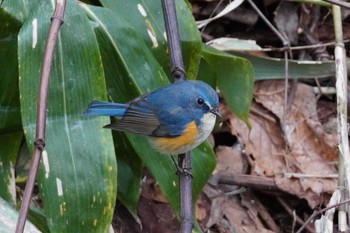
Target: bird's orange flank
(173, 144)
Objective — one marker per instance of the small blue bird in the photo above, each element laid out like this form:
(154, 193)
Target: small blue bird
(176, 118)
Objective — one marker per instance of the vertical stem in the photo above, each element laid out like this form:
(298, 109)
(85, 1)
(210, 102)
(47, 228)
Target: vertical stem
(341, 87)
(178, 74)
(172, 33)
(185, 181)
(39, 143)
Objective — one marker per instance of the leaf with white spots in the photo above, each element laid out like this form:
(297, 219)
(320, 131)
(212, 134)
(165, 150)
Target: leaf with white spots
(8, 219)
(78, 163)
(146, 18)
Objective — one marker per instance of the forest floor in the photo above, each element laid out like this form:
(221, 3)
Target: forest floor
(274, 176)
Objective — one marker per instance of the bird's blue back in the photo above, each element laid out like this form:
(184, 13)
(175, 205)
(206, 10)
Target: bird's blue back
(162, 113)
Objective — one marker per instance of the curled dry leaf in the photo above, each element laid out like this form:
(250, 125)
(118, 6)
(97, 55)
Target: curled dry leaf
(295, 143)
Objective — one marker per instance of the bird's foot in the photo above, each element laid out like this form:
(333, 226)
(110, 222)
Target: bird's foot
(182, 171)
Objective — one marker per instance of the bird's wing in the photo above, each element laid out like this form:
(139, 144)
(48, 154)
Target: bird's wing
(142, 117)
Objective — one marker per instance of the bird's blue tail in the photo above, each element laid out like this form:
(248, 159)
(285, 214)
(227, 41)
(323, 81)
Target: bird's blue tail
(102, 108)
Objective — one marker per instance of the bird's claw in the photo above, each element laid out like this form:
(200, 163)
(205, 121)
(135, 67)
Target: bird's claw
(183, 171)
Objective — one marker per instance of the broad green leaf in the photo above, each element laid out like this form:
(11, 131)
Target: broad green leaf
(77, 177)
(21, 10)
(131, 71)
(129, 173)
(10, 117)
(9, 146)
(8, 219)
(234, 77)
(38, 218)
(147, 19)
(273, 68)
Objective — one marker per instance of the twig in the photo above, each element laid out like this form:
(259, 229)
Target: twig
(300, 175)
(39, 143)
(315, 214)
(178, 74)
(230, 7)
(282, 49)
(286, 45)
(342, 111)
(326, 223)
(291, 212)
(339, 3)
(255, 182)
(211, 15)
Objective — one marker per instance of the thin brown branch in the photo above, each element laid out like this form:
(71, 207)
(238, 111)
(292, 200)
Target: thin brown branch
(290, 211)
(301, 47)
(178, 74)
(339, 3)
(315, 214)
(255, 182)
(39, 143)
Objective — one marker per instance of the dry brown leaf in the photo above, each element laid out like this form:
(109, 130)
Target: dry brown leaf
(296, 144)
(263, 143)
(302, 128)
(157, 217)
(214, 206)
(230, 159)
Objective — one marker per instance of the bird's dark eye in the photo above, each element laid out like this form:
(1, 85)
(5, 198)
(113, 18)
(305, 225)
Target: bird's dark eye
(200, 101)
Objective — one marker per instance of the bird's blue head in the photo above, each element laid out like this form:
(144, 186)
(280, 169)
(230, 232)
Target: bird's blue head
(203, 100)
(198, 98)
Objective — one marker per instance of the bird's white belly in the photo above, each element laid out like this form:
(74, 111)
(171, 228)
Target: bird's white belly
(208, 122)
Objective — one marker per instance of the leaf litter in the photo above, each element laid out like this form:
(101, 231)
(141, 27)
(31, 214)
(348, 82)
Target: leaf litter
(293, 150)
(284, 166)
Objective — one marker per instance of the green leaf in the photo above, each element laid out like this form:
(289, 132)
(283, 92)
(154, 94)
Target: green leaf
(273, 68)
(129, 173)
(146, 18)
(38, 218)
(9, 146)
(10, 118)
(138, 72)
(234, 77)
(8, 219)
(77, 177)
(21, 10)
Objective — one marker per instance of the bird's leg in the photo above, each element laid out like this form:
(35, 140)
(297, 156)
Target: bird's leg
(179, 170)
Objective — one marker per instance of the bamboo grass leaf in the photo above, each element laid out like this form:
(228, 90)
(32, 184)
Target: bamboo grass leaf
(77, 177)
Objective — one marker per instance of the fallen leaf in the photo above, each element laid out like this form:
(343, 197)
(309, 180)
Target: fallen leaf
(277, 145)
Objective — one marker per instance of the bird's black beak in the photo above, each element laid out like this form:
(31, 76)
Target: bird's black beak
(215, 112)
